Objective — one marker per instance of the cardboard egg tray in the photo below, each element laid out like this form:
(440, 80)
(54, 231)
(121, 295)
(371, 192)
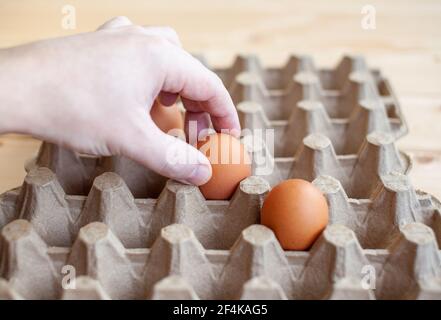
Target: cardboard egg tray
(129, 233)
(345, 104)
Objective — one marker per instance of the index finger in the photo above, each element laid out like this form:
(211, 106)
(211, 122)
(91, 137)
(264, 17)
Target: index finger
(201, 89)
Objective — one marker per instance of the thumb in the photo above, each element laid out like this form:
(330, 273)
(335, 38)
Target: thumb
(168, 155)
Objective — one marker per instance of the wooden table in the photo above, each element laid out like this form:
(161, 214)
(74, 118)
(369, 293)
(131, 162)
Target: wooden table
(406, 46)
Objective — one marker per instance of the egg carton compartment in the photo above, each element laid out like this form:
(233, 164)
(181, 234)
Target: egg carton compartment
(76, 172)
(277, 79)
(309, 116)
(377, 221)
(178, 267)
(345, 103)
(279, 89)
(358, 173)
(57, 216)
(64, 191)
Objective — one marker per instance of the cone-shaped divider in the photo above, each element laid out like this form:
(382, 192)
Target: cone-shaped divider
(348, 65)
(242, 63)
(399, 195)
(179, 203)
(42, 202)
(349, 289)
(177, 252)
(362, 85)
(111, 202)
(173, 288)
(393, 204)
(67, 165)
(305, 85)
(256, 253)
(142, 182)
(295, 65)
(307, 118)
(414, 262)
(378, 156)
(359, 87)
(8, 212)
(7, 292)
(99, 254)
(248, 63)
(340, 210)
(369, 116)
(252, 115)
(25, 263)
(262, 288)
(248, 86)
(260, 146)
(335, 256)
(436, 226)
(244, 208)
(85, 288)
(316, 157)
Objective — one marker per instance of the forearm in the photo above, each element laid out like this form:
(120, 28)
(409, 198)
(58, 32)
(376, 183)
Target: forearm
(17, 90)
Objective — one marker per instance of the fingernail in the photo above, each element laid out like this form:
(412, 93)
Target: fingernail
(200, 175)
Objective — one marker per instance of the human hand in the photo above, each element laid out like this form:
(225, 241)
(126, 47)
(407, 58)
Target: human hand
(92, 92)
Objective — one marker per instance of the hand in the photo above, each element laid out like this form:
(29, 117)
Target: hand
(92, 92)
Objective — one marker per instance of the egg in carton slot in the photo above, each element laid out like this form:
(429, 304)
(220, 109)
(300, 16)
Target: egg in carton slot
(101, 214)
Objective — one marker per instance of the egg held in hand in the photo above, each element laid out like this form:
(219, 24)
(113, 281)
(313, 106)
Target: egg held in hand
(297, 212)
(230, 163)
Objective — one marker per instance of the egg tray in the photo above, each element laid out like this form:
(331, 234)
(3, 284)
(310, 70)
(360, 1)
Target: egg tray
(151, 253)
(178, 267)
(345, 103)
(99, 189)
(126, 230)
(57, 215)
(358, 173)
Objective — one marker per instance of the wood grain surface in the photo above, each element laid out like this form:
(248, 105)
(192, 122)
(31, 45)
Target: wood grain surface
(406, 46)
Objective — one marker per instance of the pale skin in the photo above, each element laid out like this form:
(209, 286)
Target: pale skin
(92, 93)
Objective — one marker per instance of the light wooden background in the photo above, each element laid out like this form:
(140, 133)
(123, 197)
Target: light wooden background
(406, 45)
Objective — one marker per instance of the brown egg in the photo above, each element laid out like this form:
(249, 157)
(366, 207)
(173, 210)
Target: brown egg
(297, 212)
(167, 118)
(230, 164)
